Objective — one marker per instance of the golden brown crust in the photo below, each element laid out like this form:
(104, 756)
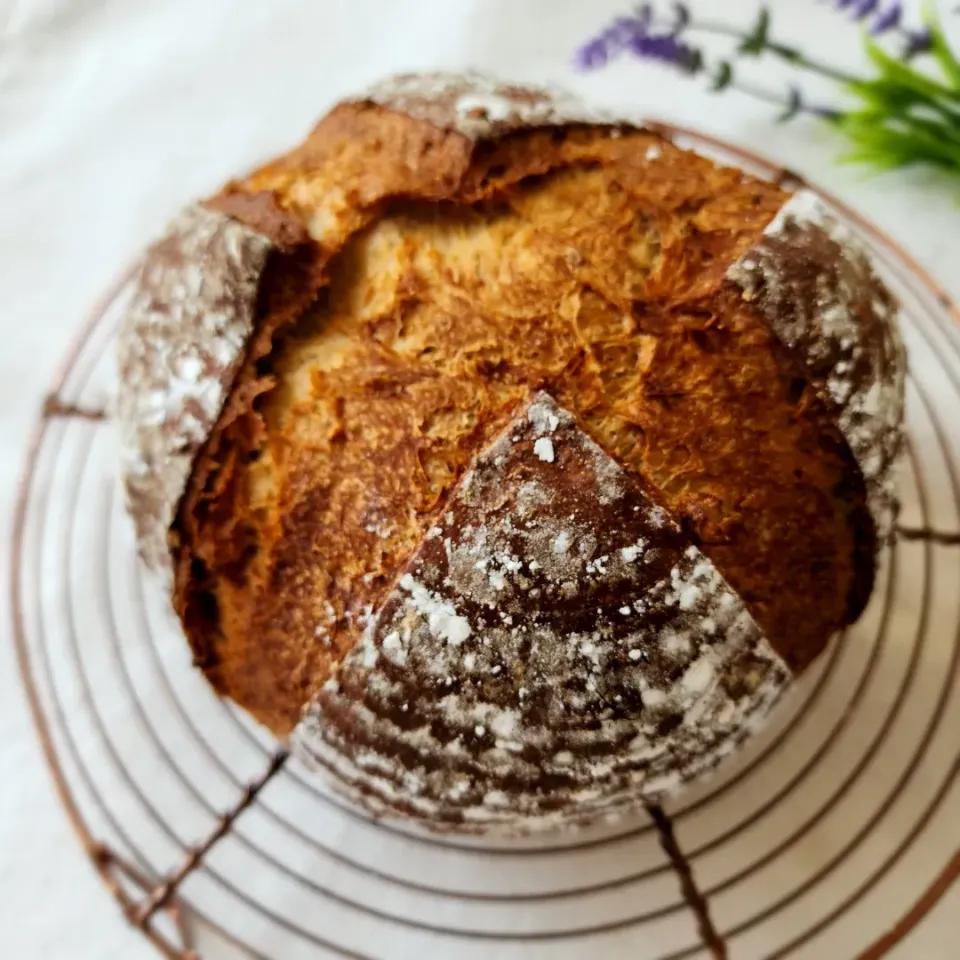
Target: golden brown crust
(288, 286)
(462, 276)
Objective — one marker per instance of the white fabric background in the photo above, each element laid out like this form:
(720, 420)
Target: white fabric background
(115, 112)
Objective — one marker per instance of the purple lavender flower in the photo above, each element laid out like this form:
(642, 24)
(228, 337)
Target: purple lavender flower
(592, 55)
(622, 31)
(668, 49)
(918, 41)
(643, 15)
(888, 19)
(614, 39)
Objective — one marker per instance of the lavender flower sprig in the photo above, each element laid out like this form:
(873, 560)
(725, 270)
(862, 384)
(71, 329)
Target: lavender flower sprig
(904, 116)
(888, 19)
(633, 34)
(626, 36)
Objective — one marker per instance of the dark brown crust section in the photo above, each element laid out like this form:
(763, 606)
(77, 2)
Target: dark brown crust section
(851, 501)
(261, 212)
(813, 281)
(556, 646)
(179, 349)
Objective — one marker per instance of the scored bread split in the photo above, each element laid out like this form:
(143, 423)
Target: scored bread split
(506, 458)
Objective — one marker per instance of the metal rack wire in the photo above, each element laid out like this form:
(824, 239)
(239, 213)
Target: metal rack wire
(832, 834)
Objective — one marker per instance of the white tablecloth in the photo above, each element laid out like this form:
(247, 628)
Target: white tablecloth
(115, 112)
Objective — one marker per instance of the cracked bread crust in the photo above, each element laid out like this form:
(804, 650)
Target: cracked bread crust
(439, 251)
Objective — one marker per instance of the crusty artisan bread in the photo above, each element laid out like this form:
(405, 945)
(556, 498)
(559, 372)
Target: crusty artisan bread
(508, 458)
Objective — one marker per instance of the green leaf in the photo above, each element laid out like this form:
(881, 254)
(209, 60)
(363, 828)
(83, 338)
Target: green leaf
(940, 132)
(940, 48)
(723, 76)
(903, 144)
(794, 106)
(886, 94)
(896, 72)
(885, 100)
(884, 163)
(755, 42)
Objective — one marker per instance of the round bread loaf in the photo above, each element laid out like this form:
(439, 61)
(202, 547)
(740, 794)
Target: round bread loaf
(509, 459)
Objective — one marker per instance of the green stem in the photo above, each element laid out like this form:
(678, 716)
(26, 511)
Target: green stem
(773, 99)
(758, 93)
(789, 54)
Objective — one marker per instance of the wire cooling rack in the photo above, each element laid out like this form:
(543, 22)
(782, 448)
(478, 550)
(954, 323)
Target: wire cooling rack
(831, 834)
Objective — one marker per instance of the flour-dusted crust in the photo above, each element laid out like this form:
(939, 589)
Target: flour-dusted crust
(179, 347)
(482, 107)
(814, 282)
(556, 649)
